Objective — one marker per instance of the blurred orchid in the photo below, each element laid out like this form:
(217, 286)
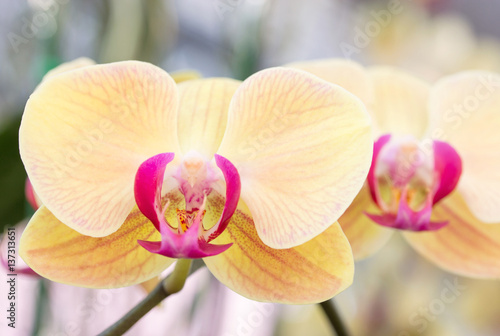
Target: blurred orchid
(435, 170)
(235, 173)
(432, 45)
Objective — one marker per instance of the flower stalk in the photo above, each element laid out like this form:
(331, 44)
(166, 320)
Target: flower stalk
(172, 284)
(334, 318)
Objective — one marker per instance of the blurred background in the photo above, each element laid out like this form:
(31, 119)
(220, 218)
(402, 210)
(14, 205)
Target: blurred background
(394, 293)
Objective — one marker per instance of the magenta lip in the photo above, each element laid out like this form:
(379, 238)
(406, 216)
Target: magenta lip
(195, 242)
(447, 170)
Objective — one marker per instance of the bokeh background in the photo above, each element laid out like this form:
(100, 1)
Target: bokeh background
(395, 292)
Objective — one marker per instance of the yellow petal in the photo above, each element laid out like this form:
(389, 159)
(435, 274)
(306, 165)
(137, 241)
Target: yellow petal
(185, 75)
(466, 246)
(85, 132)
(465, 113)
(302, 147)
(309, 273)
(61, 254)
(365, 236)
(350, 75)
(75, 64)
(203, 110)
(400, 102)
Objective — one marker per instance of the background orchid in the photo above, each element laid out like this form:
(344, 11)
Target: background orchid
(435, 168)
(135, 121)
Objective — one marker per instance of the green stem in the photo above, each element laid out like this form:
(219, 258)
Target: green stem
(175, 281)
(170, 285)
(334, 318)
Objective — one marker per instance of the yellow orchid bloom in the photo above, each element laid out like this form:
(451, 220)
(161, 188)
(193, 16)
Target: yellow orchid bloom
(435, 173)
(134, 171)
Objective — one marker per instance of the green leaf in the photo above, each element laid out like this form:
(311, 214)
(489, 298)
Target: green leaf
(12, 176)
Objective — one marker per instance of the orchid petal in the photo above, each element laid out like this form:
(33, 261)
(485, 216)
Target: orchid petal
(464, 113)
(366, 238)
(302, 147)
(309, 273)
(348, 74)
(400, 102)
(61, 254)
(85, 132)
(466, 246)
(185, 75)
(203, 110)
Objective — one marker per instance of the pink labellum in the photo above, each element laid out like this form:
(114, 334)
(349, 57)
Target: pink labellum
(233, 190)
(191, 240)
(148, 183)
(414, 185)
(408, 219)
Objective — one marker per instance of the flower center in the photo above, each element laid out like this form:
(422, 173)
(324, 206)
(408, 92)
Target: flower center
(195, 177)
(404, 170)
(407, 178)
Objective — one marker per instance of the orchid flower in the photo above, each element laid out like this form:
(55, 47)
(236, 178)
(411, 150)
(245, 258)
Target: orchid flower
(435, 173)
(135, 171)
